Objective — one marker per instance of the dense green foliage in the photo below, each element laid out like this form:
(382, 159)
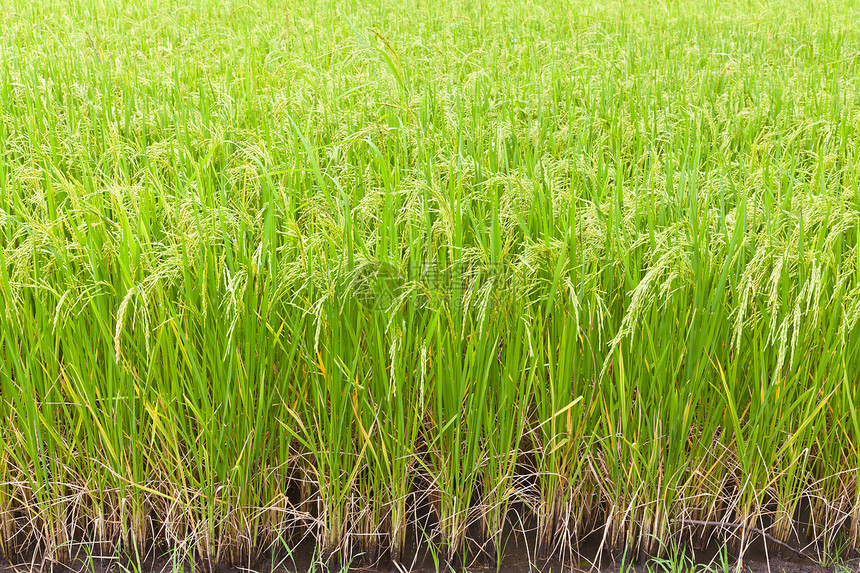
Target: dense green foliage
(274, 269)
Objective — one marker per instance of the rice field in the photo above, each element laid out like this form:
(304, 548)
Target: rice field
(460, 273)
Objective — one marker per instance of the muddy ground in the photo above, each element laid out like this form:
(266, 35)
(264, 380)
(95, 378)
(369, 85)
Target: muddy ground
(517, 560)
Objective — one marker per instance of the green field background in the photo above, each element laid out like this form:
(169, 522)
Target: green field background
(284, 270)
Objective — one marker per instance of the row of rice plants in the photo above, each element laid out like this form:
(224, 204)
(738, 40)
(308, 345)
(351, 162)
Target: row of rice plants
(274, 272)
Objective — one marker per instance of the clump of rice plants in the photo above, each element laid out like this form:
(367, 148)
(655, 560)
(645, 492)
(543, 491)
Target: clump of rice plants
(465, 274)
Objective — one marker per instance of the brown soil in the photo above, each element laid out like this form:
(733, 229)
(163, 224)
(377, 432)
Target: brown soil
(517, 561)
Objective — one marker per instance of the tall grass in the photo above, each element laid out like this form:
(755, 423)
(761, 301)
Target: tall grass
(461, 273)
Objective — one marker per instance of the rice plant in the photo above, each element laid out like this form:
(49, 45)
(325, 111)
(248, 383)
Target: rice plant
(465, 274)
